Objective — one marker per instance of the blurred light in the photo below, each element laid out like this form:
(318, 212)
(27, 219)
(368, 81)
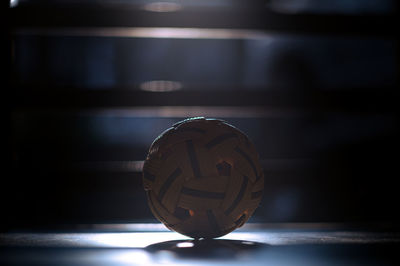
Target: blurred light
(193, 111)
(248, 243)
(125, 227)
(131, 257)
(13, 3)
(130, 240)
(151, 32)
(161, 86)
(185, 245)
(162, 7)
(144, 239)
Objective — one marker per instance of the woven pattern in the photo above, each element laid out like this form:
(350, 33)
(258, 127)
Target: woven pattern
(203, 178)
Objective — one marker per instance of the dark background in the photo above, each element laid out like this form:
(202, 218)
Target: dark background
(315, 90)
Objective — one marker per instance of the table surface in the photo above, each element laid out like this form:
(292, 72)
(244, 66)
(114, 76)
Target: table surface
(253, 244)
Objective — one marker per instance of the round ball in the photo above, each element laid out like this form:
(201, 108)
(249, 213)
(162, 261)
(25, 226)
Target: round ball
(203, 178)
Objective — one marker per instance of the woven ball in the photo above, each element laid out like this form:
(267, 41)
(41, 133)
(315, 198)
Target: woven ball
(203, 178)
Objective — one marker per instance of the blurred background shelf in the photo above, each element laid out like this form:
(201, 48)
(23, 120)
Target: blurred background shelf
(90, 84)
(253, 15)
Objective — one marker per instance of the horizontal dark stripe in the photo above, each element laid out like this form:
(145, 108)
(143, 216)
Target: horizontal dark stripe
(168, 183)
(240, 220)
(239, 196)
(256, 194)
(238, 102)
(149, 176)
(193, 158)
(220, 139)
(202, 193)
(248, 159)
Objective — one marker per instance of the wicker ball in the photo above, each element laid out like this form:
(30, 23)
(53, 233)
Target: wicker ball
(203, 178)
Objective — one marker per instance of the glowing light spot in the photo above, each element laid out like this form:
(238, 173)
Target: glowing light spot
(162, 7)
(185, 245)
(247, 243)
(161, 86)
(13, 3)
